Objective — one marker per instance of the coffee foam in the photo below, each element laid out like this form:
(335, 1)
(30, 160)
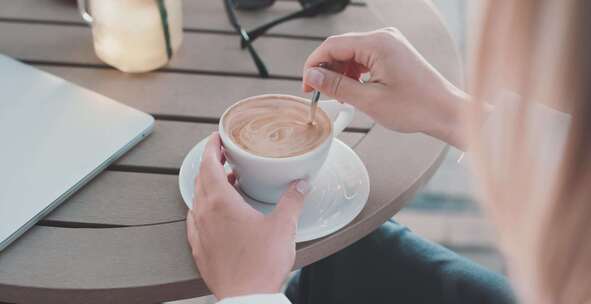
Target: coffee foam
(276, 126)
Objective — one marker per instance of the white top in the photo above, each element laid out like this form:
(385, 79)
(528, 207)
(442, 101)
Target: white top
(277, 298)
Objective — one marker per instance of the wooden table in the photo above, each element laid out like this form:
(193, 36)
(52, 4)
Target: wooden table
(122, 237)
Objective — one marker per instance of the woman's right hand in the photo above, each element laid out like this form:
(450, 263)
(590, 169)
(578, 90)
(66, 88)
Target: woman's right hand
(404, 93)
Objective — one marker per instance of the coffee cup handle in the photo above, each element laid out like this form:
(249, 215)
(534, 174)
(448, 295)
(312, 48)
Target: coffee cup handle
(84, 12)
(340, 114)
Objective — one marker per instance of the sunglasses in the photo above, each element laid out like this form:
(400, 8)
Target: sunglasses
(310, 8)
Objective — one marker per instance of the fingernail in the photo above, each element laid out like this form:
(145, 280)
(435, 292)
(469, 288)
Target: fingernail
(314, 77)
(303, 187)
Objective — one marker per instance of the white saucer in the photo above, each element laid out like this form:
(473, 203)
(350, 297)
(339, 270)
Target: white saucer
(339, 191)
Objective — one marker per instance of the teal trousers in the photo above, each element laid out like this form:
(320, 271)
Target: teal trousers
(394, 265)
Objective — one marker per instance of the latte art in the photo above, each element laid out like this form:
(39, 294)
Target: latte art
(276, 126)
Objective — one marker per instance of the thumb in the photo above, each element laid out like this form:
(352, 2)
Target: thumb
(292, 201)
(338, 86)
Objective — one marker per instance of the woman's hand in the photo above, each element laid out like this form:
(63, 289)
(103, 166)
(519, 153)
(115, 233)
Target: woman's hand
(404, 93)
(237, 249)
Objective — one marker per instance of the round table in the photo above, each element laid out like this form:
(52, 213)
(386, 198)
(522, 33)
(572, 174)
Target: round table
(122, 239)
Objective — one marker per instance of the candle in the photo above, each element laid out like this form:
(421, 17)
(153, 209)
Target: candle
(135, 35)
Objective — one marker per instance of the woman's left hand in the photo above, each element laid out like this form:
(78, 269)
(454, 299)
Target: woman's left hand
(237, 249)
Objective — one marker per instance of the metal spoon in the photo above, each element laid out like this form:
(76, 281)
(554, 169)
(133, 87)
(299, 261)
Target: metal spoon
(314, 99)
(313, 106)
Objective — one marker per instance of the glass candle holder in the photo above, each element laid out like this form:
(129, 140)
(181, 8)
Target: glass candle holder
(134, 35)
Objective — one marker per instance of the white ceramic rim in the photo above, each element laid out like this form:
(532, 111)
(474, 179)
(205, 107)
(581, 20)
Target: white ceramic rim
(236, 148)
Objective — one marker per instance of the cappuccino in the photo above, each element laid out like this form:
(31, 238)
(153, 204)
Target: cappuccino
(276, 126)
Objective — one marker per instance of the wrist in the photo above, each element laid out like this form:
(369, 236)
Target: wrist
(448, 125)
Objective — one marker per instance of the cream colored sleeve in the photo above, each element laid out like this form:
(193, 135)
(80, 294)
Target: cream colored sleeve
(277, 298)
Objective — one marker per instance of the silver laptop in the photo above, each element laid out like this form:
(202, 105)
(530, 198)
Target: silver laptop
(54, 137)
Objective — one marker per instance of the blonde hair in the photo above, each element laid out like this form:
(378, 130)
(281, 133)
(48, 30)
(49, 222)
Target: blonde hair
(541, 51)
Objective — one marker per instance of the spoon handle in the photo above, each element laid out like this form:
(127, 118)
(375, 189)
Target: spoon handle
(315, 98)
(314, 105)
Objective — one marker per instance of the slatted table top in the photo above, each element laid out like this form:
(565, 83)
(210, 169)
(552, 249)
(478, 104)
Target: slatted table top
(122, 237)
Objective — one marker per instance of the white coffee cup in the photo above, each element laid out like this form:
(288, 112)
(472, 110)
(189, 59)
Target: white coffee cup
(266, 178)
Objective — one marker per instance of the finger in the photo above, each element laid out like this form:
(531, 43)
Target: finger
(354, 71)
(231, 178)
(224, 158)
(349, 69)
(193, 235)
(199, 189)
(191, 230)
(199, 195)
(341, 87)
(213, 148)
(211, 173)
(350, 48)
(291, 202)
(198, 192)
(346, 68)
(343, 48)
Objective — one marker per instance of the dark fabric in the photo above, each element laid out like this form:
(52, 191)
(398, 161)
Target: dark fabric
(394, 265)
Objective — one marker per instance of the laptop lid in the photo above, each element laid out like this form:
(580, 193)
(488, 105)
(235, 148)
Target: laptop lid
(54, 137)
